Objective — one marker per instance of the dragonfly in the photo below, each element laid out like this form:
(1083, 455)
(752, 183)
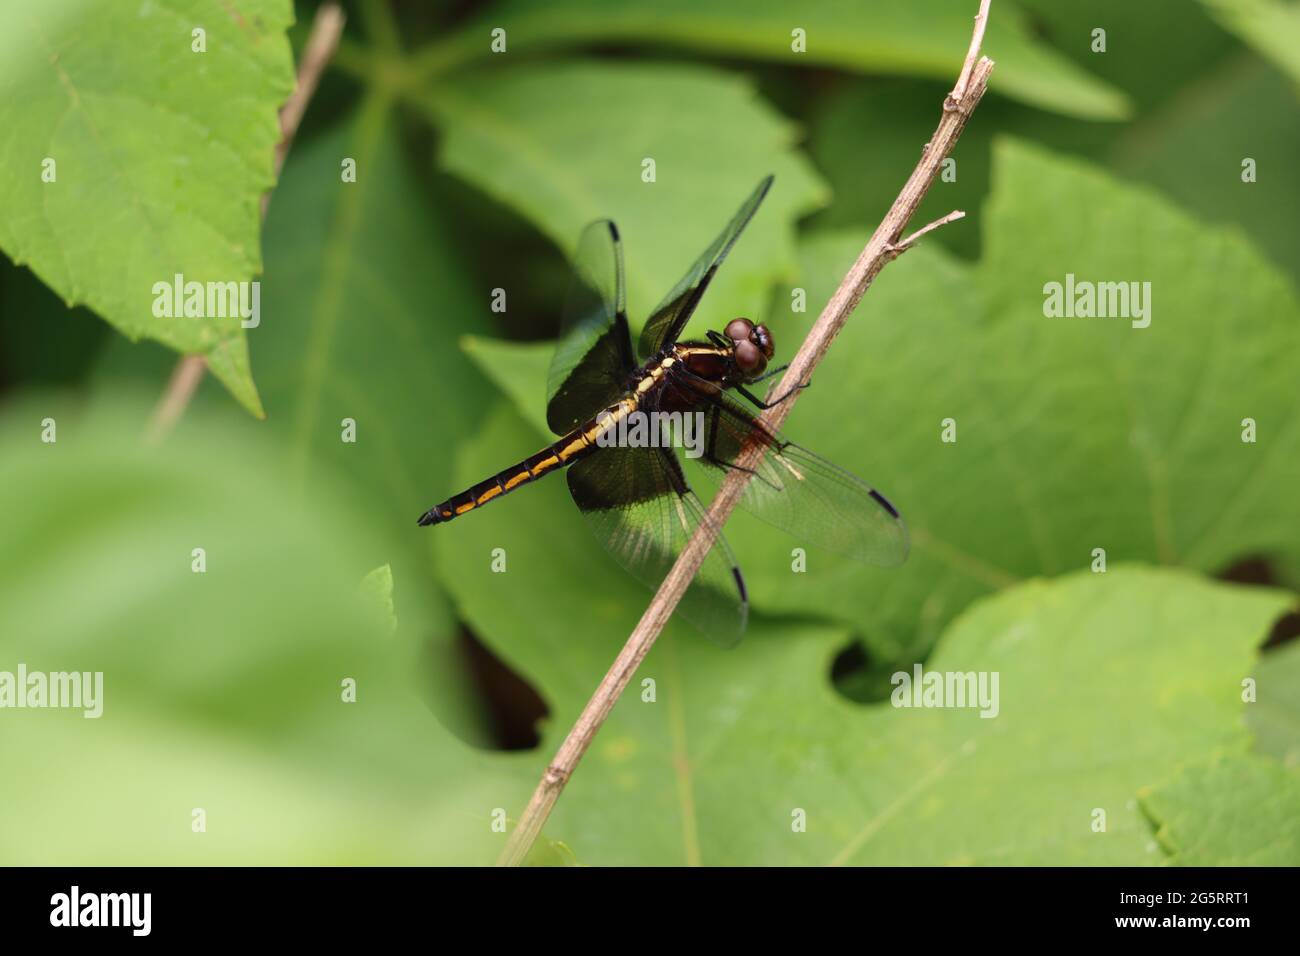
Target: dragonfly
(635, 494)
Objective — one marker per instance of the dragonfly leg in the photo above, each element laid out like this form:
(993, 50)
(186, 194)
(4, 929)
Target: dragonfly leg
(758, 402)
(723, 463)
(770, 373)
(711, 454)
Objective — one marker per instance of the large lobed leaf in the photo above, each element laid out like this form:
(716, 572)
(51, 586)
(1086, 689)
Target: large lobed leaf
(161, 155)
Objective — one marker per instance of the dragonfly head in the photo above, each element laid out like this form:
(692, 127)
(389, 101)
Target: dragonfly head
(753, 347)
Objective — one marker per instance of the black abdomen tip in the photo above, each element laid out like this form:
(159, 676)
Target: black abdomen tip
(432, 516)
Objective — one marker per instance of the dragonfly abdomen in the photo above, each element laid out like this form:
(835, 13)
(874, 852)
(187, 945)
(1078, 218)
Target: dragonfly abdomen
(575, 446)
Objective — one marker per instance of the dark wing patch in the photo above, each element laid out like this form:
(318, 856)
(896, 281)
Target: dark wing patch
(593, 356)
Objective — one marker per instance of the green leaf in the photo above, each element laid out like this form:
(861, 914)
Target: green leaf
(735, 742)
(161, 156)
(923, 38)
(563, 144)
(222, 689)
(1271, 27)
(1235, 810)
(1274, 716)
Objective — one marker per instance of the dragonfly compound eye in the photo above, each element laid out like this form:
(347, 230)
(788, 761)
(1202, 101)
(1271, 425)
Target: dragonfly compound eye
(749, 358)
(739, 330)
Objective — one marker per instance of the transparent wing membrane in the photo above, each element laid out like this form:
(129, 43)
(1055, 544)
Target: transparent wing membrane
(804, 494)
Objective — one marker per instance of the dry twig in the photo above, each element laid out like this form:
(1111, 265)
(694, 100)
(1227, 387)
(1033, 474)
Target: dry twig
(884, 246)
(972, 56)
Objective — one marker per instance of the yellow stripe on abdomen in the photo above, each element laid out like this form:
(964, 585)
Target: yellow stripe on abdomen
(577, 444)
(517, 479)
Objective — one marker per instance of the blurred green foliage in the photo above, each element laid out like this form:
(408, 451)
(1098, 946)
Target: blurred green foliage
(223, 688)
(475, 172)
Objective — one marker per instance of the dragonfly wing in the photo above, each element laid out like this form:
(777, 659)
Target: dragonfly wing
(593, 356)
(637, 502)
(804, 494)
(670, 317)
